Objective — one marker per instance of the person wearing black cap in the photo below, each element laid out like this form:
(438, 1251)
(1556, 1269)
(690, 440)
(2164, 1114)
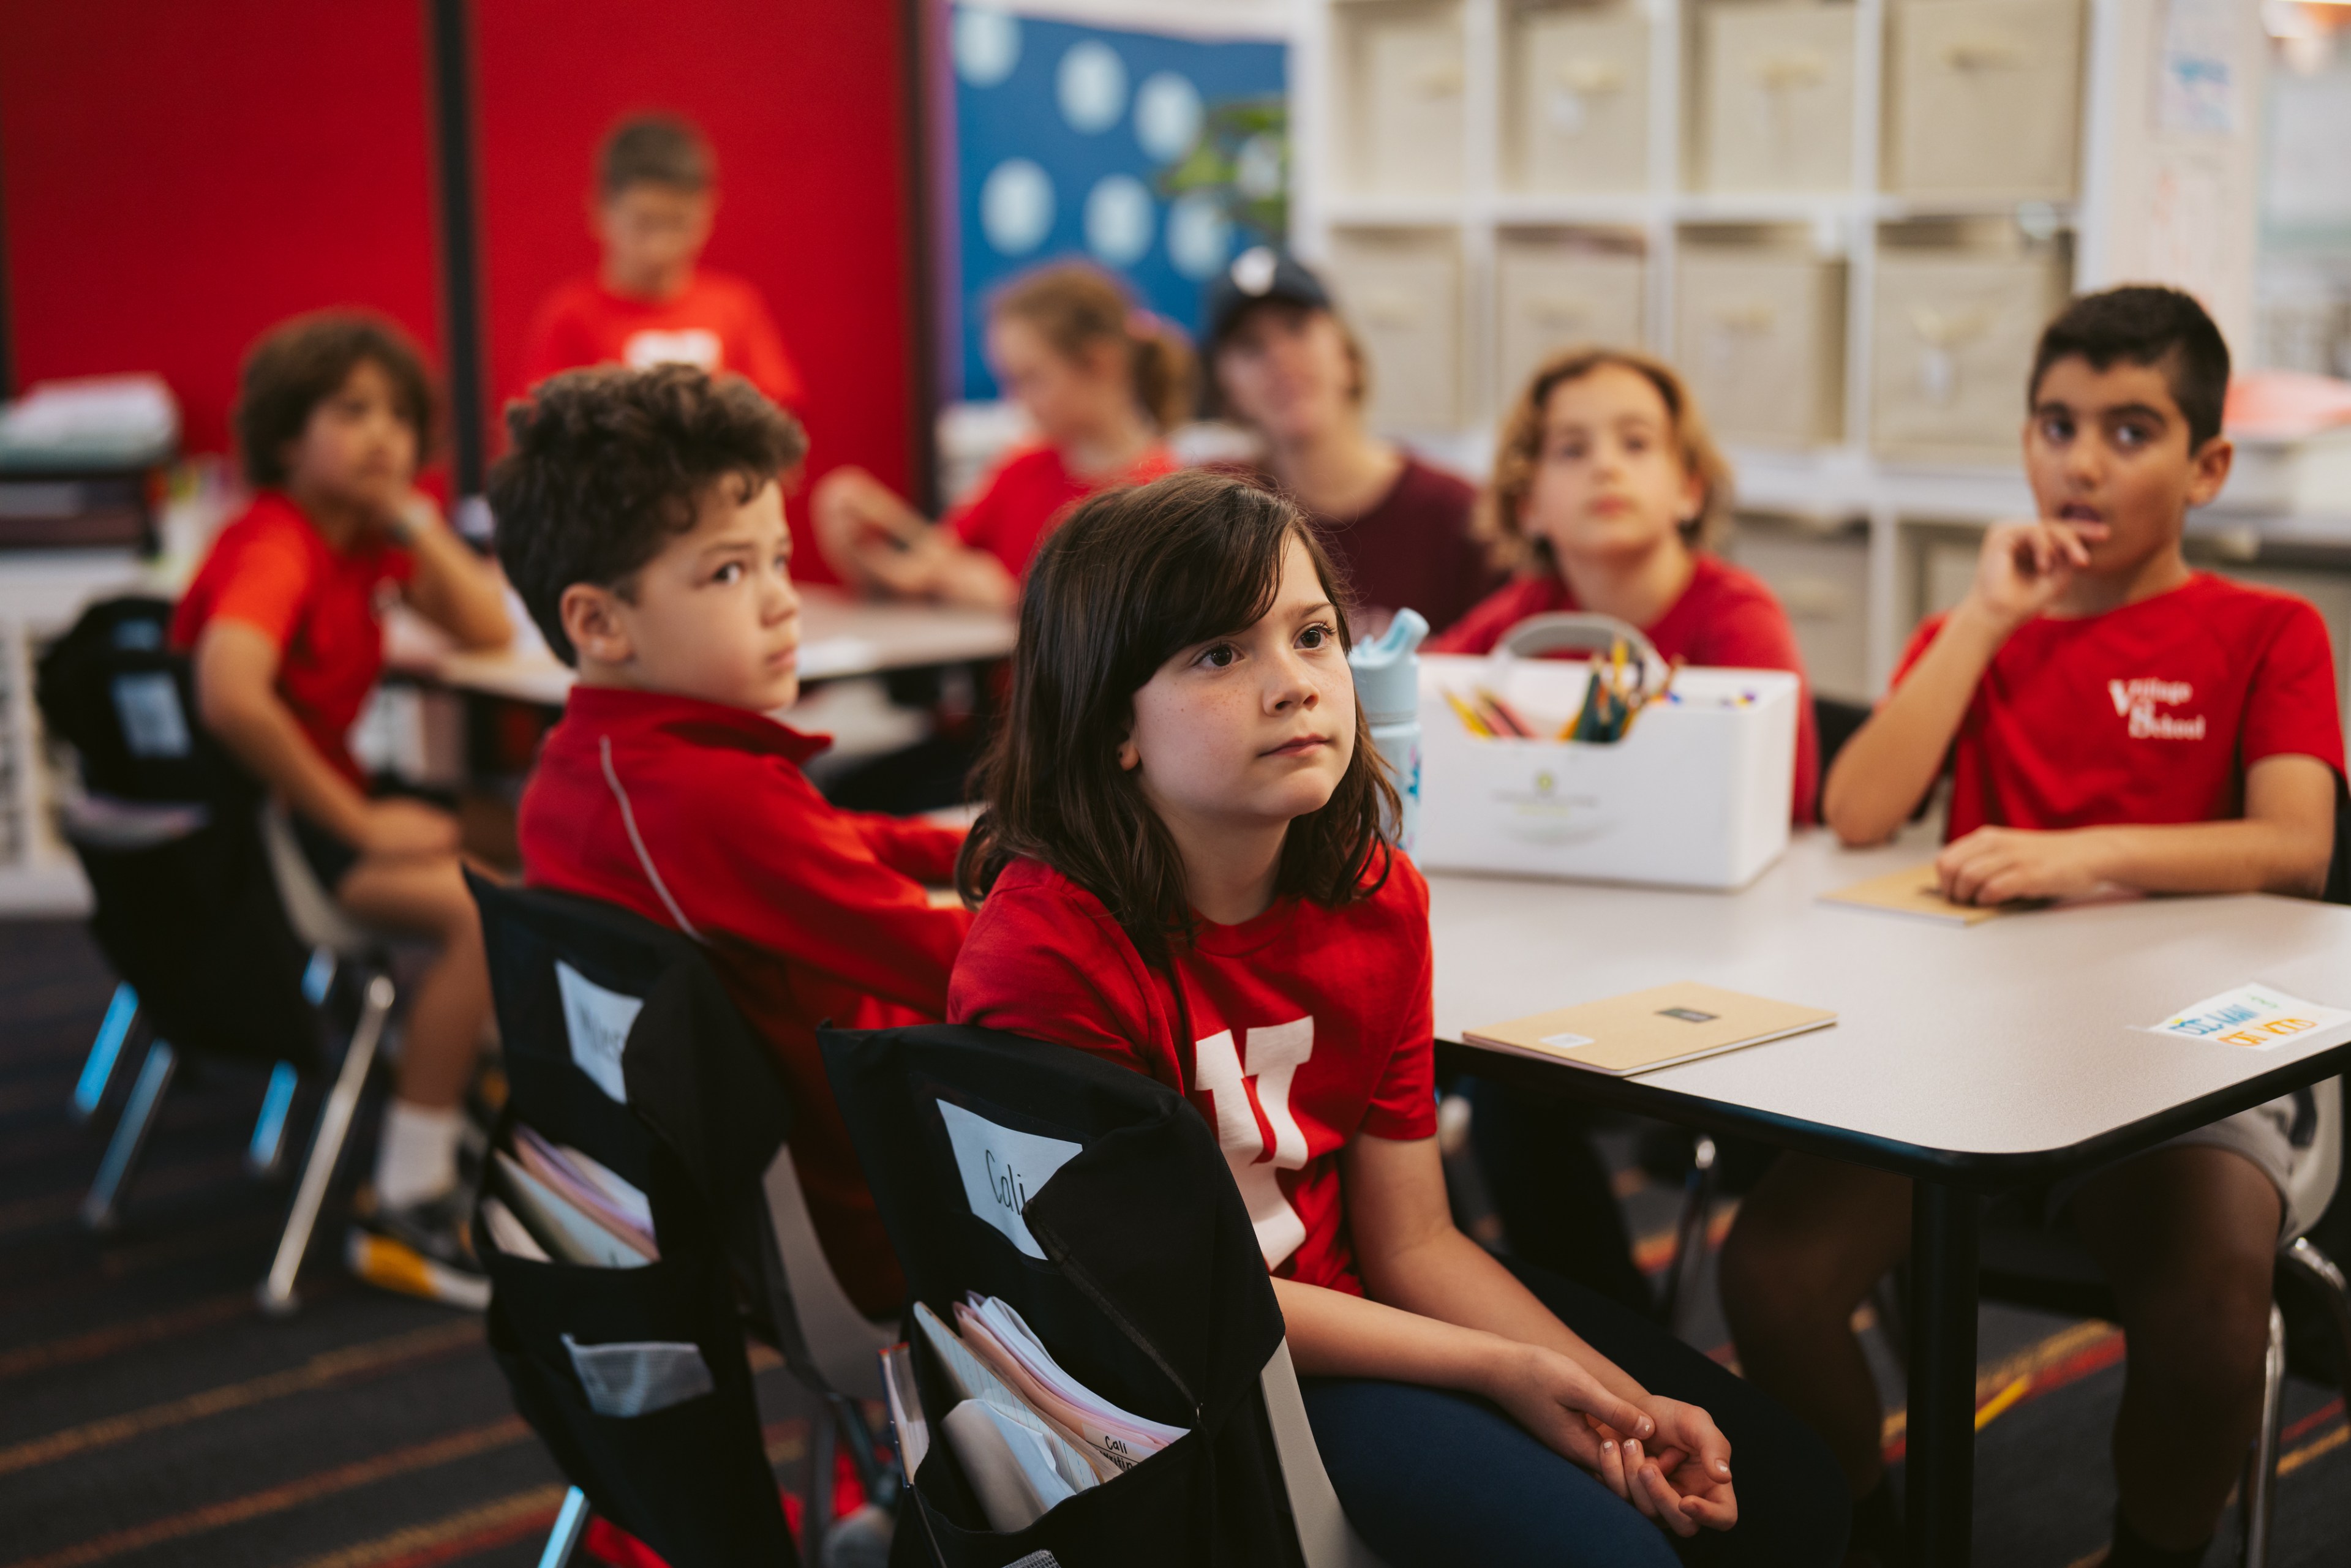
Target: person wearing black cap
(1282, 362)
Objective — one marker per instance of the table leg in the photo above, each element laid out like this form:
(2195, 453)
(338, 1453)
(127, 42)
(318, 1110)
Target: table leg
(1940, 1470)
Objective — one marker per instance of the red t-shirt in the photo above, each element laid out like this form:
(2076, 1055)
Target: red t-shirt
(2147, 714)
(1726, 619)
(1291, 1033)
(719, 323)
(272, 570)
(1026, 494)
(810, 913)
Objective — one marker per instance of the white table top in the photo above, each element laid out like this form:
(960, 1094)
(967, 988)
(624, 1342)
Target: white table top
(839, 637)
(2018, 1036)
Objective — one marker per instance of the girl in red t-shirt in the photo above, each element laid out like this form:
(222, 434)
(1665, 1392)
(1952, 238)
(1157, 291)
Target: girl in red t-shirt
(1098, 379)
(1605, 488)
(1183, 869)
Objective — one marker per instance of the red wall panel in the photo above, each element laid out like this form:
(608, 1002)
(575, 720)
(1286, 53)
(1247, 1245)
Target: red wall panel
(803, 101)
(178, 177)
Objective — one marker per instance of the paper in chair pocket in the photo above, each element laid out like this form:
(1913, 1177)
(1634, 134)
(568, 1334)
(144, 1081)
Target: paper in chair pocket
(637, 1378)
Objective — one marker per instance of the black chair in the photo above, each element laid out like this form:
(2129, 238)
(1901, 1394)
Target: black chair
(1142, 1274)
(621, 1041)
(191, 909)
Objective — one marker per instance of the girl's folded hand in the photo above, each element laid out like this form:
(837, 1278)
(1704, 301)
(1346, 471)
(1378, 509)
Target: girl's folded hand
(1682, 1478)
(1568, 1408)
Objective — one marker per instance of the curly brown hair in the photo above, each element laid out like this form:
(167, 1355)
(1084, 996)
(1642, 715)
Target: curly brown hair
(608, 463)
(1132, 578)
(301, 363)
(1518, 452)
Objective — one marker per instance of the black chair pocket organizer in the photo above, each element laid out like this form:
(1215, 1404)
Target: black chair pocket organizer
(617, 1043)
(1146, 1282)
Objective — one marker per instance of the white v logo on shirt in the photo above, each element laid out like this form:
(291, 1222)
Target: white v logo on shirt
(1255, 1126)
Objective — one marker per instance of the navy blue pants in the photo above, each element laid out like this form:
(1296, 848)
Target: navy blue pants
(1431, 1477)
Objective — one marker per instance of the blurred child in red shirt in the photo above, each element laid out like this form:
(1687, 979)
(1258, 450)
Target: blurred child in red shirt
(283, 619)
(1101, 382)
(642, 519)
(651, 301)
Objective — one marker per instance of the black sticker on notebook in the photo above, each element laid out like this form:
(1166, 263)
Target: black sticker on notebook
(1687, 1015)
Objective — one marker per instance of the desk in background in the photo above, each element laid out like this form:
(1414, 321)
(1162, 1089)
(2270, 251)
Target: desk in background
(1968, 1058)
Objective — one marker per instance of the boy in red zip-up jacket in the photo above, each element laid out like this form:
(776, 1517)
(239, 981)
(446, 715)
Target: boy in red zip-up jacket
(641, 519)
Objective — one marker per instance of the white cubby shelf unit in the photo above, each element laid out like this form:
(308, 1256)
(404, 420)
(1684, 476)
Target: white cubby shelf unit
(1436, 146)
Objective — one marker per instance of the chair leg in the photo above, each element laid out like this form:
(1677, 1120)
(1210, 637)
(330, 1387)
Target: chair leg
(97, 1072)
(2304, 1259)
(327, 1147)
(570, 1521)
(102, 1209)
(1689, 1232)
(267, 1152)
(817, 1520)
(2259, 1493)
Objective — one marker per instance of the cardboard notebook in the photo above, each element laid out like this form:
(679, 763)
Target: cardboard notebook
(1915, 892)
(1643, 1030)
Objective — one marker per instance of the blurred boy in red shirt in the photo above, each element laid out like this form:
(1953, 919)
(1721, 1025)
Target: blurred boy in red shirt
(650, 302)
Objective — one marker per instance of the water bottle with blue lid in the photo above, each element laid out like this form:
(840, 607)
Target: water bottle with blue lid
(1387, 687)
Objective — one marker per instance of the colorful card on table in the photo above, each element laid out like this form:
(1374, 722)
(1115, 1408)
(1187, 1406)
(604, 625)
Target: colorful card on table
(2252, 1016)
(1643, 1030)
(1915, 892)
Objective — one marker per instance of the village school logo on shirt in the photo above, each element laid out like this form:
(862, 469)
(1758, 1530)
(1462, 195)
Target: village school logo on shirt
(693, 346)
(2139, 701)
(1254, 1123)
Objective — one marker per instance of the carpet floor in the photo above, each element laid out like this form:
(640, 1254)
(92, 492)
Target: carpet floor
(149, 1414)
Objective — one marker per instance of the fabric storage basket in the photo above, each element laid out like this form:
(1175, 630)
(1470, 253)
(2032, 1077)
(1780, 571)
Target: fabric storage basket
(1760, 331)
(1580, 103)
(1984, 97)
(1779, 97)
(1552, 295)
(1405, 96)
(1402, 293)
(1951, 346)
(1698, 795)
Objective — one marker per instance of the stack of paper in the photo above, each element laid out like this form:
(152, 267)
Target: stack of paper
(1027, 1434)
(552, 1203)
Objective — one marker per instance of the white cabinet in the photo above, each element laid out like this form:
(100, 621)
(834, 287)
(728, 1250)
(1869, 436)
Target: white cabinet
(1580, 100)
(1404, 86)
(1401, 290)
(1985, 98)
(1758, 333)
(1951, 342)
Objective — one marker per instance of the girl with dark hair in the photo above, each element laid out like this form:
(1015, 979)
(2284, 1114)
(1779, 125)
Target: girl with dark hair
(1101, 380)
(1184, 870)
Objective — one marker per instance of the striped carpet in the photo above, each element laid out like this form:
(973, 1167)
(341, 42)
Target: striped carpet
(149, 1414)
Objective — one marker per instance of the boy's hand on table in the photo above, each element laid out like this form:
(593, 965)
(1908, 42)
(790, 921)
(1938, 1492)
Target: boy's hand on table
(2023, 566)
(2001, 866)
(407, 828)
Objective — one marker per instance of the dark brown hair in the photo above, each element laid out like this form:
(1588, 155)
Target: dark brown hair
(1073, 305)
(1518, 453)
(654, 150)
(1132, 579)
(608, 463)
(2159, 328)
(301, 363)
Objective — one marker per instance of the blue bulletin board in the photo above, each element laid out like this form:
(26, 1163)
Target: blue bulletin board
(1160, 158)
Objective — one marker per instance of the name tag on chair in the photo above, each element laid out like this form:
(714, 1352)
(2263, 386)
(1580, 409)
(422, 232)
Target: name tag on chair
(1002, 1169)
(597, 1022)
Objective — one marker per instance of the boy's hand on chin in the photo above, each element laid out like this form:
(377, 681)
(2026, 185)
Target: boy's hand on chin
(2023, 566)
(2001, 866)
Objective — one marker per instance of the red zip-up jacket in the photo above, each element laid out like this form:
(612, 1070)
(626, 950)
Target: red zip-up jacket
(696, 815)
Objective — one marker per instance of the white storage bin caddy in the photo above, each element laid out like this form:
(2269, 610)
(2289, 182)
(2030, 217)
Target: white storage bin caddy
(1697, 796)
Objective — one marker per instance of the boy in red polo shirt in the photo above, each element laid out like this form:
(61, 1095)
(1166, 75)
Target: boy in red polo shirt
(2110, 718)
(283, 624)
(640, 518)
(650, 302)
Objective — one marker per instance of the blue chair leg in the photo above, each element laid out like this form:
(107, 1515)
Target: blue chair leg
(97, 1072)
(267, 1152)
(102, 1209)
(569, 1522)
